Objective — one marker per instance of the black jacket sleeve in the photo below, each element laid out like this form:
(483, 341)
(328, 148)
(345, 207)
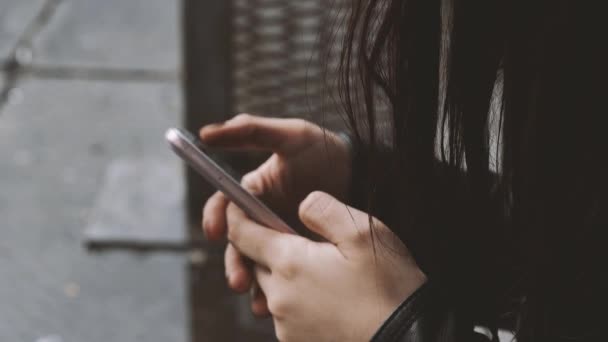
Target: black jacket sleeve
(425, 317)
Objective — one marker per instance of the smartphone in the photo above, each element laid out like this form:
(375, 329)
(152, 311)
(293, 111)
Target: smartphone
(192, 150)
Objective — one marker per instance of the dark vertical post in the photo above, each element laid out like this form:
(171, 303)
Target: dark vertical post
(206, 32)
(207, 77)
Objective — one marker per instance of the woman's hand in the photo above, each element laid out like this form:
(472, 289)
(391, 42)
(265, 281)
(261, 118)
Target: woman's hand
(340, 290)
(305, 158)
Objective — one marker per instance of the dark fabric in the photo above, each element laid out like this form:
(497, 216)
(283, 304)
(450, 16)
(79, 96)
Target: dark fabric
(424, 317)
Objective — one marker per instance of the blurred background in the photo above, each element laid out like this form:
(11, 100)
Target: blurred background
(100, 235)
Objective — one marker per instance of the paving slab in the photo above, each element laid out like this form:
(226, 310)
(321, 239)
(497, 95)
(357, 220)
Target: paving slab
(84, 130)
(141, 204)
(15, 16)
(56, 145)
(130, 34)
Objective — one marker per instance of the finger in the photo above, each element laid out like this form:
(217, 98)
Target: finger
(251, 239)
(259, 304)
(262, 279)
(332, 219)
(238, 275)
(214, 216)
(253, 183)
(260, 183)
(254, 132)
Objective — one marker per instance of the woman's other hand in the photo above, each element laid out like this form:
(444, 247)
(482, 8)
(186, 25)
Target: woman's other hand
(339, 290)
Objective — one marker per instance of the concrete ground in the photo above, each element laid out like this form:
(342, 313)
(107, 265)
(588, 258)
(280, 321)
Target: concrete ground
(85, 85)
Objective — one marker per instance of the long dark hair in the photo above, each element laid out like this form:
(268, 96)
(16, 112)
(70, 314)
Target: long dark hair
(498, 163)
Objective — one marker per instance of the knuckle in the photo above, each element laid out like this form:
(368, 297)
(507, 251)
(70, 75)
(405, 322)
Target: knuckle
(234, 232)
(301, 124)
(304, 128)
(363, 235)
(247, 121)
(278, 305)
(242, 117)
(288, 270)
(286, 265)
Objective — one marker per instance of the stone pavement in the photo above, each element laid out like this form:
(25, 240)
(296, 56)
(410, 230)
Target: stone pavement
(87, 88)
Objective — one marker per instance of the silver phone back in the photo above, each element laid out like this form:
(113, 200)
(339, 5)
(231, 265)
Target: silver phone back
(184, 145)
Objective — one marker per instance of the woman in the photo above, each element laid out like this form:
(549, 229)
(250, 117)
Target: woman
(494, 179)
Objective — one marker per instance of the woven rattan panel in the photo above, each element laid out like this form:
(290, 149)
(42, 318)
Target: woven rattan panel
(281, 49)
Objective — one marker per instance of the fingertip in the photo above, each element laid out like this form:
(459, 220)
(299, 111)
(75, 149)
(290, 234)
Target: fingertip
(203, 131)
(241, 117)
(206, 131)
(260, 310)
(211, 229)
(259, 306)
(214, 217)
(240, 281)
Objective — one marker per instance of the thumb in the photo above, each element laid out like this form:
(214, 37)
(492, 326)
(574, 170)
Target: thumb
(332, 219)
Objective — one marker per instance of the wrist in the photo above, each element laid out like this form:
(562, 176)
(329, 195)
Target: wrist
(402, 318)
